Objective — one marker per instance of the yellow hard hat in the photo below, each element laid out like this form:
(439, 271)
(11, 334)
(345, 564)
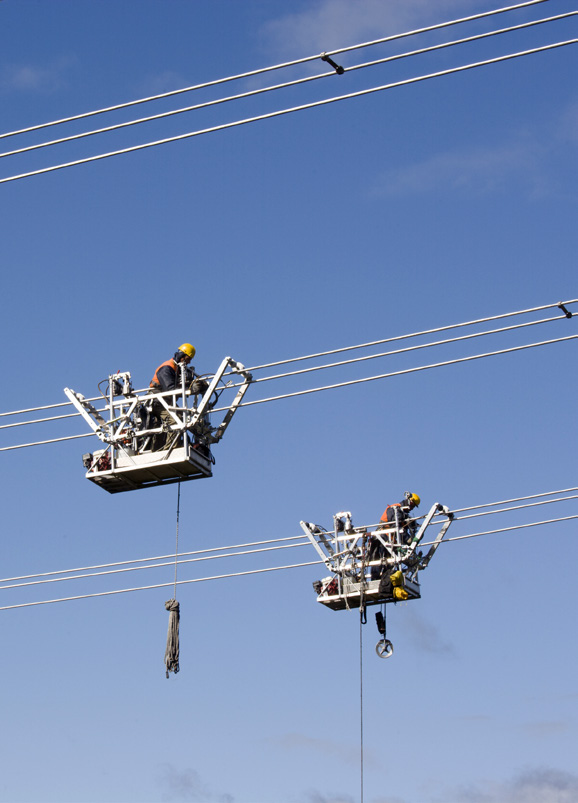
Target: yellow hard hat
(414, 498)
(188, 349)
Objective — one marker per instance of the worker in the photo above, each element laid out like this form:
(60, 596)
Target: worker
(168, 377)
(396, 515)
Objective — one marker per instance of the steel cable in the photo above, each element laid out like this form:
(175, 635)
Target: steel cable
(290, 110)
(336, 385)
(261, 71)
(258, 571)
(396, 338)
(284, 85)
(279, 543)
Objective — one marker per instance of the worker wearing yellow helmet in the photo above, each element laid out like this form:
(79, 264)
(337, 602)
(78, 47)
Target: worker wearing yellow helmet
(168, 377)
(398, 515)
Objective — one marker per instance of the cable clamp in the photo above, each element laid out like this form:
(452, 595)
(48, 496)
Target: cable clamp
(566, 312)
(338, 69)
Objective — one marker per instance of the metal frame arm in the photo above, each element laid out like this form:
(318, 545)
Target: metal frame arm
(90, 414)
(431, 552)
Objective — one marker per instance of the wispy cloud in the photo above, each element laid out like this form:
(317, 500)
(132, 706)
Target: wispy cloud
(545, 728)
(33, 78)
(528, 160)
(330, 24)
(186, 785)
(532, 786)
(317, 797)
(479, 170)
(322, 746)
(164, 81)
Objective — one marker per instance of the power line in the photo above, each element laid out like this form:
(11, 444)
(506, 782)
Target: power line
(337, 385)
(155, 557)
(342, 363)
(407, 349)
(315, 368)
(517, 499)
(291, 110)
(150, 566)
(261, 71)
(284, 85)
(265, 546)
(401, 372)
(160, 585)
(509, 529)
(436, 330)
(255, 571)
(422, 333)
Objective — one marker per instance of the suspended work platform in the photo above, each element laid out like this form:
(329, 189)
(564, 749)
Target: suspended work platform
(373, 566)
(159, 438)
(134, 471)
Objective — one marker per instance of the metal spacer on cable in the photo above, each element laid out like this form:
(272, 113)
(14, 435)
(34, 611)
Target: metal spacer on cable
(566, 312)
(338, 69)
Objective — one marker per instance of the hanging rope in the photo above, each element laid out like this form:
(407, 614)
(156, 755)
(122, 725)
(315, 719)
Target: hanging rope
(361, 704)
(172, 650)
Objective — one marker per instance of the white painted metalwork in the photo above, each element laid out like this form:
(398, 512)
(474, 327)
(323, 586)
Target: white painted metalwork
(356, 580)
(129, 460)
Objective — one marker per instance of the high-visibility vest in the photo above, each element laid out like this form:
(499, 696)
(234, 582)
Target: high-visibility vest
(384, 514)
(154, 383)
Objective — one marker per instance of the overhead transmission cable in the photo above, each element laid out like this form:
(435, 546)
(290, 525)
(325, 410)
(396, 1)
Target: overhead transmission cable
(263, 70)
(422, 333)
(269, 545)
(396, 338)
(258, 571)
(401, 372)
(405, 350)
(333, 386)
(290, 110)
(560, 305)
(352, 361)
(284, 85)
(177, 560)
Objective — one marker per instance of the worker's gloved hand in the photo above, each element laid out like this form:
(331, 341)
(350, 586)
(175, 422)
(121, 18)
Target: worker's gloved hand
(199, 386)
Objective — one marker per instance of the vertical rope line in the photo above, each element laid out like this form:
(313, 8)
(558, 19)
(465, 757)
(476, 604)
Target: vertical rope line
(172, 649)
(361, 704)
(177, 539)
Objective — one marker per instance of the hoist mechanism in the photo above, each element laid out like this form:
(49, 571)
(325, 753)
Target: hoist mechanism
(374, 566)
(157, 438)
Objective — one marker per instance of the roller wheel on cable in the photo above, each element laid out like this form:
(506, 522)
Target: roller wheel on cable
(384, 648)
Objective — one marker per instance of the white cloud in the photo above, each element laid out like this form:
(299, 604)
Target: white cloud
(533, 786)
(323, 746)
(545, 728)
(477, 170)
(186, 785)
(165, 81)
(482, 169)
(33, 78)
(330, 24)
(317, 797)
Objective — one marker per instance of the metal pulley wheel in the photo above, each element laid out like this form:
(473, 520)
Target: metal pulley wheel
(384, 648)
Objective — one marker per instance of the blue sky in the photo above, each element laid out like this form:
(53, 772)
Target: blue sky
(425, 205)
